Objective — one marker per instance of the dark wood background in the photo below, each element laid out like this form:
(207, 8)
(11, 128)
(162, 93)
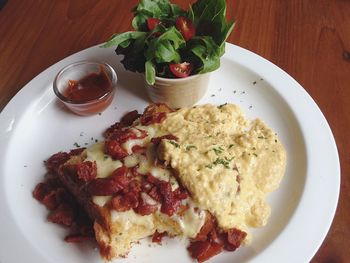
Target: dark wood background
(309, 39)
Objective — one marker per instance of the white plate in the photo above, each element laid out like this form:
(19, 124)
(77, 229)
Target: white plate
(34, 125)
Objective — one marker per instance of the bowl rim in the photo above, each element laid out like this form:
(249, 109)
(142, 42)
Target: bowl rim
(64, 99)
(191, 77)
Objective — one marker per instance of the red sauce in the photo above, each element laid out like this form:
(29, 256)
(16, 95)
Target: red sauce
(89, 88)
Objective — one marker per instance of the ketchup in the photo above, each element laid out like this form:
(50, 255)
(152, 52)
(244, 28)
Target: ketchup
(90, 87)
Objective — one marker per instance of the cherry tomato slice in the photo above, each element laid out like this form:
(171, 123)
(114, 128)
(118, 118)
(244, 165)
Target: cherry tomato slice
(181, 70)
(152, 23)
(186, 27)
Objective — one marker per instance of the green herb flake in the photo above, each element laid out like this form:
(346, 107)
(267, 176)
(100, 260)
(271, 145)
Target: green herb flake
(222, 105)
(175, 144)
(212, 95)
(261, 137)
(76, 145)
(189, 147)
(254, 82)
(210, 166)
(221, 161)
(255, 154)
(218, 150)
(230, 146)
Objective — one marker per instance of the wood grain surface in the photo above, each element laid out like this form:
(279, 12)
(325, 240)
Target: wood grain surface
(309, 39)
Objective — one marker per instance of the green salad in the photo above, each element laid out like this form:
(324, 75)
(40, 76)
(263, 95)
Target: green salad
(171, 42)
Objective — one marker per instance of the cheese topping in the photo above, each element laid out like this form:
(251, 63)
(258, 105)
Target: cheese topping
(105, 164)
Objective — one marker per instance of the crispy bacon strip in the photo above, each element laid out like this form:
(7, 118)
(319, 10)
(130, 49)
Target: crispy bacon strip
(110, 185)
(157, 237)
(114, 149)
(155, 113)
(86, 171)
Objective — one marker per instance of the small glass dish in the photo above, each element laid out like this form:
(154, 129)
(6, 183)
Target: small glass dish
(86, 87)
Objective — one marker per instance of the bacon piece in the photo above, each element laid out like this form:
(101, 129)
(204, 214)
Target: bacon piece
(181, 194)
(157, 237)
(77, 238)
(124, 202)
(204, 250)
(139, 149)
(56, 160)
(125, 134)
(208, 226)
(129, 118)
(41, 190)
(157, 140)
(87, 171)
(134, 186)
(117, 181)
(114, 149)
(154, 113)
(50, 200)
(76, 151)
(153, 180)
(145, 209)
(233, 238)
(154, 193)
(63, 215)
(113, 129)
(169, 203)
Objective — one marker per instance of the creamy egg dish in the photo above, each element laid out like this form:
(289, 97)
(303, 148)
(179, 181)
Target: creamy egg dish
(202, 173)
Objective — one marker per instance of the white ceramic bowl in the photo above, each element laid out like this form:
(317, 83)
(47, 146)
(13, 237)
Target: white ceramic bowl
(178, 93)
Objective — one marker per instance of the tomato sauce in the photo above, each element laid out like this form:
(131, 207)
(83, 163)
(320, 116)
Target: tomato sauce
(90, 87)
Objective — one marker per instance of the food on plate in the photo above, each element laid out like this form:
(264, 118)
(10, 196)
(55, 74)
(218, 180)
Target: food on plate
(170, 42)
(202, 173)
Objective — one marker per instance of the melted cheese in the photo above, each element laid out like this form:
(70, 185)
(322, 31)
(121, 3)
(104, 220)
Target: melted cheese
(105, 164)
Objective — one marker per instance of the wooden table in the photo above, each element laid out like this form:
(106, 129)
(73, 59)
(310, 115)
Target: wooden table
(308, 39)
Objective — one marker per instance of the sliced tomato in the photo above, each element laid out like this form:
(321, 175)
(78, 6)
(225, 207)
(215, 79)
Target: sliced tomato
(152, 23)
(181, 70)
(186, 27)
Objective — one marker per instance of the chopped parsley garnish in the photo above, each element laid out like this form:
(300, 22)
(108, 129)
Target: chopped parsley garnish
(189, 147)
(221, 161)
(254, 82)
(230, 146)
(76, 144)
(175, 144)
(222, 105)
(261, 137)
(218, 150)
(255, 154)
(210, 166)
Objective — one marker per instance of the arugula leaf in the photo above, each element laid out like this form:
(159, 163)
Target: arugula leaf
(165, 47)
(117, 39)
(150, 72)
(210, 19)
(208, 53)
(161, 9)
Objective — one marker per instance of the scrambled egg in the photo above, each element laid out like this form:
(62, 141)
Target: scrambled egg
(227, 162)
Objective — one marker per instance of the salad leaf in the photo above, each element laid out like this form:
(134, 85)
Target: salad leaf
(161, 9)
(117, 39)
(151, 51)
(150, 72)
(207, 52)
(210, 19)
